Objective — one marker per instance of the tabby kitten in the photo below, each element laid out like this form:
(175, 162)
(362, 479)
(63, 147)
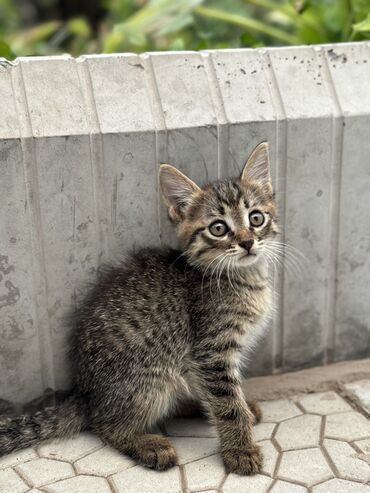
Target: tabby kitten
(168, 327)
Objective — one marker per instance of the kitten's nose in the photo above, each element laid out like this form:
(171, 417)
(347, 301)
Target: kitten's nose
(247, 245)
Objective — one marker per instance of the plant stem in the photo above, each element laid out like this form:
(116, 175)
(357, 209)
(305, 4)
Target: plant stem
(247, 23)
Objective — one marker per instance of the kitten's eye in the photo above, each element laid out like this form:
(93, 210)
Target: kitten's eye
(256, 218)
(218, 228)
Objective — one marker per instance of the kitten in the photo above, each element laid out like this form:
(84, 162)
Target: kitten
(168, 327)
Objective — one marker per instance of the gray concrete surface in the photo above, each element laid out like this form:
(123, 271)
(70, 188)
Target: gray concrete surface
(80, 144)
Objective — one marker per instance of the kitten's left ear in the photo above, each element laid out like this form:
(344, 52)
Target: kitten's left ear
(257, 168)
(177, 190)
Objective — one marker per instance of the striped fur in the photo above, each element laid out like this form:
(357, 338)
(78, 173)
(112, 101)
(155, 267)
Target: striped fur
(170, 327)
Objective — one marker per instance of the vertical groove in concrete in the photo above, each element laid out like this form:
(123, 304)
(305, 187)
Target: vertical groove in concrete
(335, 192)
(97, 163)
(160, 129)
(280, 189)
(219, 108)
(37, 247)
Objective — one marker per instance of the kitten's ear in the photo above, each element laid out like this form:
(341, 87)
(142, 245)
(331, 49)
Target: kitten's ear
(257, 168)
(177, 190)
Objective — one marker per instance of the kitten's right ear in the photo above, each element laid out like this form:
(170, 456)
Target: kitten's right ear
(177, 189)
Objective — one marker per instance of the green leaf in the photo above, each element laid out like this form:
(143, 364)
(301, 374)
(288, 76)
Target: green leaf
(5, 50)
(363, 26)
(79, 27)
(177, 45)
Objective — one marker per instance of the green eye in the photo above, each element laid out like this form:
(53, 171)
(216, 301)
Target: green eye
(218, 228)
(256, 218)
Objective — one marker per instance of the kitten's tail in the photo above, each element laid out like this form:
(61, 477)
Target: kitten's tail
(62, 421)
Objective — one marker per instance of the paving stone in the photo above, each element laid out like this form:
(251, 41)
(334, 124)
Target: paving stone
(360, 390)
(341, 486)
(263, 431)
(80, 484)
(104, 462)
(43, 471)
(284, 487)
(346, 460)
(276, 411)
(10, 482)
(195, 427)
(243, 484)
(347, 426)
(72, 449)
(16, 458)
(364, 445)
(205, 473)
(300, 432)
(270, 456)
(190, 449)
(143, 480)
(307, 466)
(324, 403)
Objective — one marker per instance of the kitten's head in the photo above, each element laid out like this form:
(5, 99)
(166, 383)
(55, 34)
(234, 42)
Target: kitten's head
(233, 219)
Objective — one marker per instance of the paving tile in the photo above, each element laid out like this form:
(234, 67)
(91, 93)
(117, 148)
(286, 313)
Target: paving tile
(364, 445)
(80, 484)
(276, 411)
(324, 403)
(10, 482)
(307, 466)
(143, 480)
(192, 427)
(270, 456)
(205, 473)
(341, 486)
(347, 426)
(346, 460)
(72, 449)
(284, 487)
(263, 431)
(104, 462)
(39, 472)
(360, 390)
(16, 458)
(300, 432)
(190, 449)
(243, 484)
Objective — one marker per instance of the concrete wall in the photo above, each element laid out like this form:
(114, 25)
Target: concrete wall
(80, 143)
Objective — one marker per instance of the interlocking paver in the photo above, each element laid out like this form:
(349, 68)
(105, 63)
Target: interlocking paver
(284, 487)
(104, 462)
(347, 426)
(263, 431)
(183, 427)
(205, 473)
(10, 482)
(190, 449)
(139, 479)
(279, 410)
(324, 403)
(341, 486)
(346, 460)
(72, 449)
(270, 456)
(17, 458)
(307, 466)
(243, 484)
(300, 432)
(80, 484)
(39, 472)
(364, 445)
(361, 391)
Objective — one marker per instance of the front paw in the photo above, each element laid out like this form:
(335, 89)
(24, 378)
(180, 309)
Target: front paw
(243, 461)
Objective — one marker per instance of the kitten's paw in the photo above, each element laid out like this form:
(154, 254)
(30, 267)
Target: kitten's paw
(255, 410)
(243, 461)
(157, 453)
